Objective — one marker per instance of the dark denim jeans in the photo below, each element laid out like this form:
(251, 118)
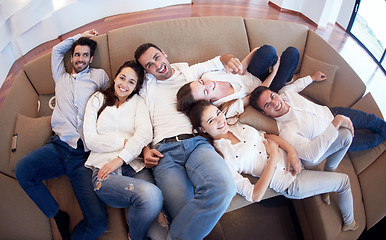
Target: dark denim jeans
(266, 57)
(369, 130)
(55, 159)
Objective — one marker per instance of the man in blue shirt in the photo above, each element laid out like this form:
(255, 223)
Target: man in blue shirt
(65, 152)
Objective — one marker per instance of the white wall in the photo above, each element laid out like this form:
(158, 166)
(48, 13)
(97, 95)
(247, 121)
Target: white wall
(345, 13)
(321, 12)
(25, 24)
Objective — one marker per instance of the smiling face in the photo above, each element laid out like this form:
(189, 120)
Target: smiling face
(81, 58)
(204, 89)
(272, 104)
(213, 122)
(155, 62)
(125, 83)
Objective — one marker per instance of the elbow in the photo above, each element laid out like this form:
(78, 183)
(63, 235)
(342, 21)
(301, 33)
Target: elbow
(257, 197)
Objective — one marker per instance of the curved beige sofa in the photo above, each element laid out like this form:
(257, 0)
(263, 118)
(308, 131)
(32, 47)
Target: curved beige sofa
(192, 40)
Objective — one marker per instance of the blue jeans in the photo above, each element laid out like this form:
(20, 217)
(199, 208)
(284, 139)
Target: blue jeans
(196, 184)
(55, 159)
(125, 188)
(310, 183)
(369, 130)
(265, 57)
(335, 152)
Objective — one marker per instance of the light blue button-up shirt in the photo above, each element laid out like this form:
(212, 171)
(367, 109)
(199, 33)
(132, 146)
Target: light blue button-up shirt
(72, 94)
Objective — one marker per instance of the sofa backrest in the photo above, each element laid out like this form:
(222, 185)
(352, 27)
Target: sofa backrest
(209, 36)
(278, 34)
(347, 87)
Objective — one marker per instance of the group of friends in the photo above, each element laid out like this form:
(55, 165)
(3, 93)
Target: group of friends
(156, 140)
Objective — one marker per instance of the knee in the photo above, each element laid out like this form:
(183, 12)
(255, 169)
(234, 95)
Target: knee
(267, 52)
(346, 183)
(22, 171)
(290, 54)
(151, 197)
(227, 187)
(346, 137)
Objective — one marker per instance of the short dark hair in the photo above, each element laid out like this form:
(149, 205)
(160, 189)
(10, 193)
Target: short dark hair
(255, 95)
(84, 41)
(143, 48)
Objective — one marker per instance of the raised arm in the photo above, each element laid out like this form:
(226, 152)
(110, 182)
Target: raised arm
(58, 52)
(267, 82)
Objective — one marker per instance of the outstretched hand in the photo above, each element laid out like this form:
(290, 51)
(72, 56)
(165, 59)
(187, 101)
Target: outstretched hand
(90, 33)
(318, 76)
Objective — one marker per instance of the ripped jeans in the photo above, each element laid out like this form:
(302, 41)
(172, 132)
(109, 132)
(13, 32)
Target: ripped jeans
(125, 188)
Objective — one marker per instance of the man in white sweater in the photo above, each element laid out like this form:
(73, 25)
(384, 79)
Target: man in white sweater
(310, 128)
(196, 183)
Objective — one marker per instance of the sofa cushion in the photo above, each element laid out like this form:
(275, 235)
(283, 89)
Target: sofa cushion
(318, 91)
(321, 221)
(40, 74)
(279, 34)
(32, 133)
(189, 40)
(259, 120)
(348, 88)
(372, 181)
(362, 159)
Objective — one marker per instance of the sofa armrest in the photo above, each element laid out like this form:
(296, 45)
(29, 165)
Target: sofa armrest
(23, 99)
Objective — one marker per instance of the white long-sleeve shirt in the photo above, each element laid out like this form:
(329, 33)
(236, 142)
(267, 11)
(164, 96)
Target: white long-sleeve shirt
(105, 135)
(72, 94)
(250, 156)
(307, 126)
(160, 97)
(242, 85)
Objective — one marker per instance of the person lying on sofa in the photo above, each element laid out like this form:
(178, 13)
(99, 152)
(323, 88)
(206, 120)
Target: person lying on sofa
(268, 102)
(247, 150)
(264, 68)
(116, 128)
(190, 173)
(65, 152)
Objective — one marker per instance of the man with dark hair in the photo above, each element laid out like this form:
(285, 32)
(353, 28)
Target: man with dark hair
(195, 181)
(368, 129)
(65, 152)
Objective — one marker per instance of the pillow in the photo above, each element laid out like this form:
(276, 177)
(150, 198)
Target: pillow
(318, 91)
(32, 133)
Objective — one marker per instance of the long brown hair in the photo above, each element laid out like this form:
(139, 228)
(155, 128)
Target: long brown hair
(185, 98)
(195, 115)
(109, 93)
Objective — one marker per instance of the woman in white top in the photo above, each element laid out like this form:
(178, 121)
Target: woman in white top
(247, 150)
(262, 66)
(116, 128)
